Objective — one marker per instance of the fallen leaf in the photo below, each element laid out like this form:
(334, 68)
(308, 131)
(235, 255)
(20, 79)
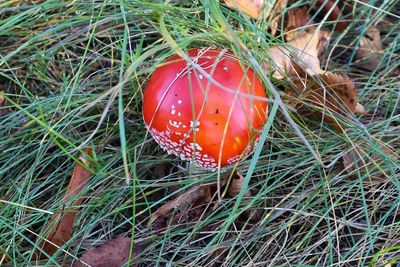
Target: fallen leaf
(234, 189)
(253, 8)
(296, 27)
(62, 221)
(191, 205)
(361, 160)
(180, 206)
(323, 41)
(236, 185)
(278, 62)
(306, 47)
(370, 50)
(300, 62)
(324, 95)
(331, 8)
(296, 20)
(303, 48)
(113, 253)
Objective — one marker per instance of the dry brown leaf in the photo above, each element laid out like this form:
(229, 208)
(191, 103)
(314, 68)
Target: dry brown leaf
(278, 62)
(63, 220)
(253, 8)
(370, 49)
(324, 94)
(323, 41)
(304, 48)
(331, 7)
(113, 253)
(234, 189)
(368, 164)
(297, 19)
(191, 205)
(180, 205)
(236, 185)
(296, 28)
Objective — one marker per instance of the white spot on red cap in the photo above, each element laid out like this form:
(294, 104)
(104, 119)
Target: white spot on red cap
(195, 146)
(174, 123)
(183, 150)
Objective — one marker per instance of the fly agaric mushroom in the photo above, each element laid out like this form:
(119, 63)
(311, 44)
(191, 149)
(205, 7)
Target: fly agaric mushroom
(211, 114)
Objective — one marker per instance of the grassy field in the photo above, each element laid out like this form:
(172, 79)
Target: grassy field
(73, 74)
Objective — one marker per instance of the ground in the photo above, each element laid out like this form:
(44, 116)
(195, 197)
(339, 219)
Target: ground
(72, 75)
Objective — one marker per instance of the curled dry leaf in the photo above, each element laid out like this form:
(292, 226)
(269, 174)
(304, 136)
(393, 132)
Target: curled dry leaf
(296, 20)
(113, 253)
(324, 95)
(190, 205)
(62, 222)
(370, 49)
(303, 48)
(253, 8)
(236, 185)
(234, 189)
(180, 205)
(360, 160)
(295, 28)
(306, 48)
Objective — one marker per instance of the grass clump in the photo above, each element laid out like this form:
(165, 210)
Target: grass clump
(73, 73)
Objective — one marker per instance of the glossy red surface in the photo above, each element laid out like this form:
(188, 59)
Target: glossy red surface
(192, 117)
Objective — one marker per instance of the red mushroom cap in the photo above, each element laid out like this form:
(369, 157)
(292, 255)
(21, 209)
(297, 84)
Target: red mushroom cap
(198, 119)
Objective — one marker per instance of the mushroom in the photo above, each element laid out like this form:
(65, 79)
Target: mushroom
(210, 112)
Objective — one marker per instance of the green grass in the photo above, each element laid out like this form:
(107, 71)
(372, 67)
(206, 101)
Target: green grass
(73, 75)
